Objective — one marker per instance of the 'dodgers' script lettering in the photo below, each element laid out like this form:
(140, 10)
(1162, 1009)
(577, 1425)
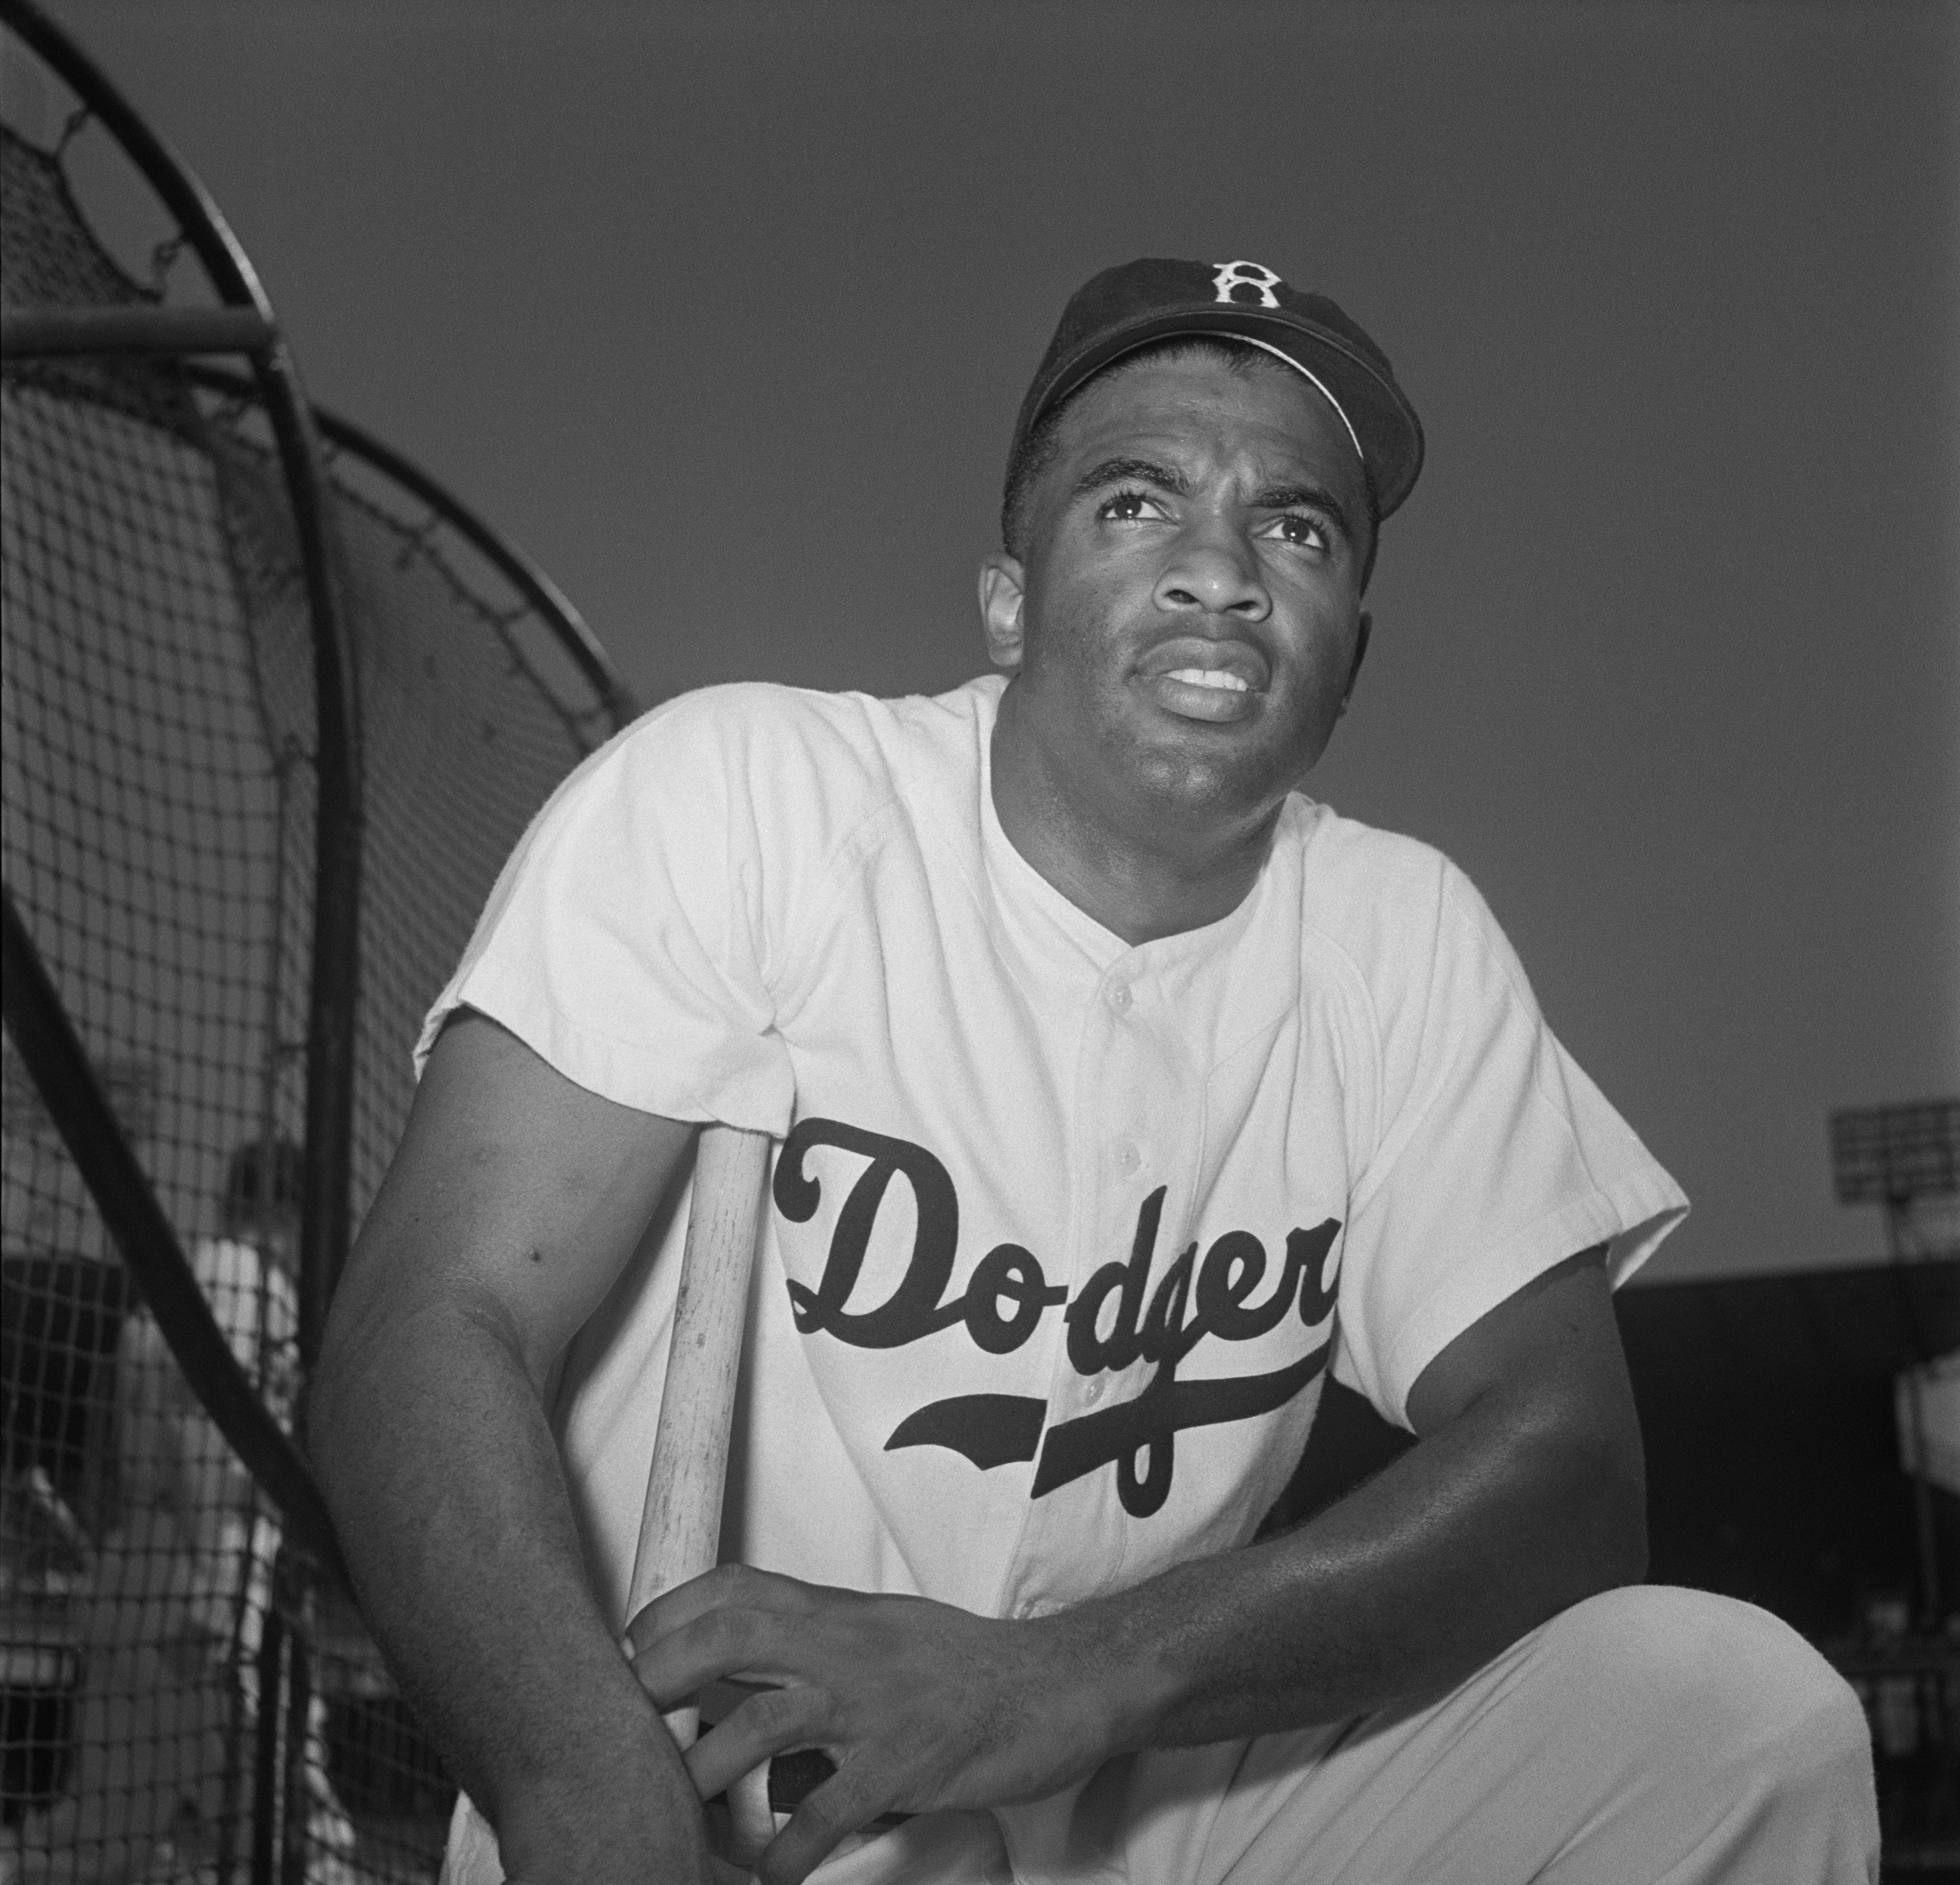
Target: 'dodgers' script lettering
(1115, 1319)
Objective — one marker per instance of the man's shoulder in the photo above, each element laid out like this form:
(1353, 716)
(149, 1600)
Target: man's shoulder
(786, 774)
(1391, 903)
(1354, 871)
(793, 735)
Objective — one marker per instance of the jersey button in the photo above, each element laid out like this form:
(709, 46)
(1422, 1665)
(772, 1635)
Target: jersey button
(1119, 997)
(1093, 1392)
(1127, 1157)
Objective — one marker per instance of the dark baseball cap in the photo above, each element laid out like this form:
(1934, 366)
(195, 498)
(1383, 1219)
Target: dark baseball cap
(1127, 308)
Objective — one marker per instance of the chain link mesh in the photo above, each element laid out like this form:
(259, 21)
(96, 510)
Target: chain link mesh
(158, 773)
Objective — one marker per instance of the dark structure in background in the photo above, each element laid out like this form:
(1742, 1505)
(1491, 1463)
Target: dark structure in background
(1773, 1448)
(1894, 1156)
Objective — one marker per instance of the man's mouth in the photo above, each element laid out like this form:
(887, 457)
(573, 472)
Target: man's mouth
(1219, 683)
(1210, 677)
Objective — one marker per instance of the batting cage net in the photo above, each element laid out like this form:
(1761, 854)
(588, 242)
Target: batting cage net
(183, 1695)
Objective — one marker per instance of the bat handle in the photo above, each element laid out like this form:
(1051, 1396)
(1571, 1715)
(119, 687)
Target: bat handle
(680, 1525)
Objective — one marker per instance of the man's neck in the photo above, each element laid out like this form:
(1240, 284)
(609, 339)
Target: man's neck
(1143, 872)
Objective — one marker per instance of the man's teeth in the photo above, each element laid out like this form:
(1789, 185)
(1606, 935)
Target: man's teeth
(1211, 677)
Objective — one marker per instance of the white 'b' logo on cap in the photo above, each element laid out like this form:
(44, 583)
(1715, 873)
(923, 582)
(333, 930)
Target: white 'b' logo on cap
(1234, 275)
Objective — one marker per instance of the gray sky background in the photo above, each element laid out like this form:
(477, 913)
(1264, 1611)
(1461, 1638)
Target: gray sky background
(723, 314)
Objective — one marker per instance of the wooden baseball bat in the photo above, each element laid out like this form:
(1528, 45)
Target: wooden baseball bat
(680, 1525)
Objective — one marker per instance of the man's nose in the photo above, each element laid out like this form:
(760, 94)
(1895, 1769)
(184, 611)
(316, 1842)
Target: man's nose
(1214, 569)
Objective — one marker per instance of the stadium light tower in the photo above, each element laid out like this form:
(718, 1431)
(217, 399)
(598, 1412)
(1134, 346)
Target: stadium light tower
(1894, 1156)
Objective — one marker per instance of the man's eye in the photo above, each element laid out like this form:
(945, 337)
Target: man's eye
(1126, 507)
(1292, 527)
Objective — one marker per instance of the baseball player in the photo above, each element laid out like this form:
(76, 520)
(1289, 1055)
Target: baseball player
(183, 1584)
(1121, 1092)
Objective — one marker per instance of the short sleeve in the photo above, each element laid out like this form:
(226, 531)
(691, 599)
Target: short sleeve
(620, 943)
(1496, 1158)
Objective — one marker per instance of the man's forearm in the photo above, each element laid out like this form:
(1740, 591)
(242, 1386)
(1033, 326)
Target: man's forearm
(437, 1460)
(1418, 1578)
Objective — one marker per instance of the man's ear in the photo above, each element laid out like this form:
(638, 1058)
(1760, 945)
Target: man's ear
(1362, 629)
(1002, 590)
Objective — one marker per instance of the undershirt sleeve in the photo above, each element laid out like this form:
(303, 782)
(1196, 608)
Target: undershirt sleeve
(1496, 1159)
(621, 941)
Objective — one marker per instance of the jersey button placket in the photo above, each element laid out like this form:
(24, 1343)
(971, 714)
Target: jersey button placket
(1121, 999)
(1073, 1524)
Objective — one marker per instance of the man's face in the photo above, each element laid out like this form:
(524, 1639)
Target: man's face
(1185, 629)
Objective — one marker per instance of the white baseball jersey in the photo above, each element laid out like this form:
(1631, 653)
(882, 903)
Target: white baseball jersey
(1064, 1234)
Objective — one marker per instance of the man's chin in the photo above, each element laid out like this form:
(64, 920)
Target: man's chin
(1205, 778)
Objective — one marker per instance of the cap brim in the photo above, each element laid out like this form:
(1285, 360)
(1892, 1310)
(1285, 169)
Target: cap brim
(1377, 413)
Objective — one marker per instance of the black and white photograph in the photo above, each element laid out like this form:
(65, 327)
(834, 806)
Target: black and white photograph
(1004, 943)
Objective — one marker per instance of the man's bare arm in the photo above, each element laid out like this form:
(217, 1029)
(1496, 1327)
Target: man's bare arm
(1524, 1494)
(515, 1201)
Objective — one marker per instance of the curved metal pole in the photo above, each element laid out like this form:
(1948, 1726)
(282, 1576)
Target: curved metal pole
(187, 199)
(531, 582)
(326, 1225)
(554, 607)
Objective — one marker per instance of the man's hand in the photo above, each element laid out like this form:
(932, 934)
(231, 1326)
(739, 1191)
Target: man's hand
(920, 1705)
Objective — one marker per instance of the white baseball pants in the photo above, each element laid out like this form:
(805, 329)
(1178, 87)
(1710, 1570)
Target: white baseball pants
(1647, 1737)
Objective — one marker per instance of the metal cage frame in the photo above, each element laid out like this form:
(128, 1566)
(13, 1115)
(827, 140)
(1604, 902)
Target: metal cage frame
(42, 1031)
(238, 348)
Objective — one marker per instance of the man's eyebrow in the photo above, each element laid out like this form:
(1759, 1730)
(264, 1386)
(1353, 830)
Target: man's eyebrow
(1142, 471)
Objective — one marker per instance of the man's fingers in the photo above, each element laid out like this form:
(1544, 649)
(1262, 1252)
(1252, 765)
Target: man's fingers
(727, 1585)
(850, 1800)
(772, 1721)
(749, 1647)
